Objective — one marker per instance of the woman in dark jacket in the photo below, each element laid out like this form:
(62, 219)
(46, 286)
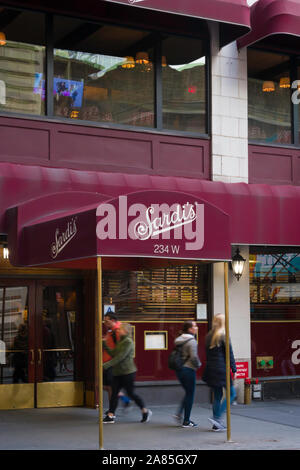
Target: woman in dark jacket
(215, 370)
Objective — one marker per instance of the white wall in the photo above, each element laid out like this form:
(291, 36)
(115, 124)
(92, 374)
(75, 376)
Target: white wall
(229, 111)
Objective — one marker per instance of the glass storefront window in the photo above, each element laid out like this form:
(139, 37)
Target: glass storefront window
(274, 286)
(162, 293)
(22, 62)
(184, 85)
(269, 97)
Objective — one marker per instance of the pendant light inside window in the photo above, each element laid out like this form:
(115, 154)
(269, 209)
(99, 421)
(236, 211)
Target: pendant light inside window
(129, 63)
(285, 82)
(268, 86)
(2, 39)
(142, 58)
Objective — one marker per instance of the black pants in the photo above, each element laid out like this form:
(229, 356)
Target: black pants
(126, 382)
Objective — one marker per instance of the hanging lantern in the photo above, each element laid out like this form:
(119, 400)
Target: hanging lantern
(285, 82)
(142, 58)
(237, 264)
(2, 39)
(129, 63)
(268, 86)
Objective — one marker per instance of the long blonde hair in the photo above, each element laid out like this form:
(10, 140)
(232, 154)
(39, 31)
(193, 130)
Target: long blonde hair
(218, 330)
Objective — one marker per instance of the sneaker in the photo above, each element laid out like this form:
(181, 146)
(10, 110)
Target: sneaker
(108, 419)
(215, 429)
(217, 424)
(106, 413)
(189, 424)
(146, 416)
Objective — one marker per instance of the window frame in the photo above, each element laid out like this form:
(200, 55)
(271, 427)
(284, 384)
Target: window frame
(158, 98)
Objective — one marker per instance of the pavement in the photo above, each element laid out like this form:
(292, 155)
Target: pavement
(262, 425)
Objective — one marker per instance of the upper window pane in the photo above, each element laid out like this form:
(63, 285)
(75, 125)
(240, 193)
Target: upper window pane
(269, 97)
(22, 62)
(274, 286)
(103, 73)
(184, 84)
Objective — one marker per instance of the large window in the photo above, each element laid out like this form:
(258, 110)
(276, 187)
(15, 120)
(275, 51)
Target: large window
(87, 71)
(162, 293)
(274, 285)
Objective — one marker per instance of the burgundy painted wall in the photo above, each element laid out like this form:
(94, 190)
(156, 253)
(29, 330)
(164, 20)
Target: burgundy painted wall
(58, 144)
(153, 365)
(274, 165)
(280, 340)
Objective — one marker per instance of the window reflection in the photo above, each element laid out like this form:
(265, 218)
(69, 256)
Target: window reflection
(106, 76)
(269, 97)
(22, 62)
(59, 334)
(184, 86)
(275, 286)
(14, 334)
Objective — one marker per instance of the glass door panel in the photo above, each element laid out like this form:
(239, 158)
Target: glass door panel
(16, 358)
(58, 383)
(59, 319)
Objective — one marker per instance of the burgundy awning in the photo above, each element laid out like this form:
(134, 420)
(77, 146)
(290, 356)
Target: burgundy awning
(38, 203)
(233, 15)
(274, 23)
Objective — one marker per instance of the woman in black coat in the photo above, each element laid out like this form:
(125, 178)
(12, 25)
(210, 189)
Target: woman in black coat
(215, 370)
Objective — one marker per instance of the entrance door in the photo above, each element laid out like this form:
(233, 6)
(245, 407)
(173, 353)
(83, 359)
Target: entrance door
(40, 344)
(59, 345)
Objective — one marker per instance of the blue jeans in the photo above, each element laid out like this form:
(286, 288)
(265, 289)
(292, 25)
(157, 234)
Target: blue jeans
(187, 378)
(219, 406)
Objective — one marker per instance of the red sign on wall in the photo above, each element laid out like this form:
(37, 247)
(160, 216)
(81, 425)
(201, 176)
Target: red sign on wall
(242, 370)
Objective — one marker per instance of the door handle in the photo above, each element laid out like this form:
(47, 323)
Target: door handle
(32, 356)
(40, 356)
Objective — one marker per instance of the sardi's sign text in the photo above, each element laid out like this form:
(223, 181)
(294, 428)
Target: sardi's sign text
(140, 222)
(161, 223)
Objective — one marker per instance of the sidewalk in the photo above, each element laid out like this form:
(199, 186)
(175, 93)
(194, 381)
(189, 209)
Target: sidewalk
(272, 425)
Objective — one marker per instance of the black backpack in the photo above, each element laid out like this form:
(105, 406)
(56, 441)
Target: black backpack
(176, 360)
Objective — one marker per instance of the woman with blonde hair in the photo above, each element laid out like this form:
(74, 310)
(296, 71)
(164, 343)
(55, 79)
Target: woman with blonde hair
(215, 370)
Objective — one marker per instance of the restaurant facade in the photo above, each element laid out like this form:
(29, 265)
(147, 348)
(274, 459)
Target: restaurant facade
(145, 134)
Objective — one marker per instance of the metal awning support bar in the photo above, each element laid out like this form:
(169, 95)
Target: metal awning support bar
(99, 342)
(227, 351)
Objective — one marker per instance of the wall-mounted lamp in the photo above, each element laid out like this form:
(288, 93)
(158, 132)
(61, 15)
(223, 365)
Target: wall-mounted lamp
(237, 264)
(5, 253)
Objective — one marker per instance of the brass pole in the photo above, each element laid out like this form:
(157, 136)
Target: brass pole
(99, 342)
(227, 351)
